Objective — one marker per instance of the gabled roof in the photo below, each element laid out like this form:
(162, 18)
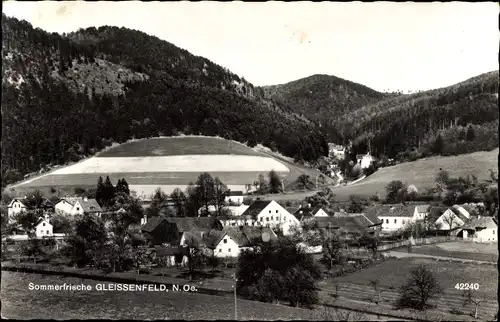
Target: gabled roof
(152, 223)
(190, 223)
(252, 233)
(396, 210)
(213, 238)
(162, 251)
(42, 220)
(459, 214)
(422, 209)
(461, 210)
(256, 208)
(305, 212)
(291, 210)
(31, 202)
(236, 235)
(482, 223)
(88, 205)
(435, 213)
(348, 221)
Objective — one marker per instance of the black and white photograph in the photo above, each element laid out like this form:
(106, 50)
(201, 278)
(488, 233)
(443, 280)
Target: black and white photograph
(317, 161)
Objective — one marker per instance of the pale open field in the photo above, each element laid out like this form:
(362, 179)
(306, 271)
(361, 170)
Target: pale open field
(178, 163)
(166, 162)
(465, 250)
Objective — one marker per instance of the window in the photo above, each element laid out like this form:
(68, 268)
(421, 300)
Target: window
(225, 241)
(493, 232)
(267, 218)
(220, 250)
(395, 221)
(229, 250)
(77, 208)
(47, 232)
(404, 221)
(276, 211)
(43, 224)
(387, 221)
(269, 211)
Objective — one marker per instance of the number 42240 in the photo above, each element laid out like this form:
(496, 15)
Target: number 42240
(467, 286)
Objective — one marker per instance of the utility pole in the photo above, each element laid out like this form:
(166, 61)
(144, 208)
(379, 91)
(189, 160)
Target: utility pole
(235, 312)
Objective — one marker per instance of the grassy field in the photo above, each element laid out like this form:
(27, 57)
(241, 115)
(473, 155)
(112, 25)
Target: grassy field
(393, 273)
(465, 250)
(422, 173)
(18, 302)
(167, 173)
(178, 146)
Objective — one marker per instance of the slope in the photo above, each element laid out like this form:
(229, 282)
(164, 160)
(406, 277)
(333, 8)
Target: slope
(322, 98)
(65, 100)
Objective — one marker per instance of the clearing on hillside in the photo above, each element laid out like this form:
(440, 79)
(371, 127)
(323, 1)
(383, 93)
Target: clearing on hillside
(167, 162)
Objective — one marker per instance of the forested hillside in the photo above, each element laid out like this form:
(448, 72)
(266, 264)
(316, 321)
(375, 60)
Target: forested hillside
(63, 100)
(462, 118)
(323, 99)
(458, 119)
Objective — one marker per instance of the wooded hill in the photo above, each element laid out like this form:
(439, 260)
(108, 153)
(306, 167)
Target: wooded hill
(66, 97)
(458, 119)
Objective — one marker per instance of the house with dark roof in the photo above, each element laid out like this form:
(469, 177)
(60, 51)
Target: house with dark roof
(303, 213)
(397, 216)
(347, 222)
(18, 205)
(482, 229)
(234, 197)
(269, 213)
(234, 239)
(78, 206)
(452, 218)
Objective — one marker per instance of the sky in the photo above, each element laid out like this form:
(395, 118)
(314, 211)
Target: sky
(383, 45)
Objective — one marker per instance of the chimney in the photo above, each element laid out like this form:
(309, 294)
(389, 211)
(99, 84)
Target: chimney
(85, 199)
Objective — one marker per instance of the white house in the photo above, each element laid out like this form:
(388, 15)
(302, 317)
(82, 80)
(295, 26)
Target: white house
(481, 229)
(335, 150)
(78, 206)
(452, 218)
(235, 197)
(18, 205)
(43, 228)
(308, 212)
(269, 213)
(395, 217)
(233, 240)
(365, 160)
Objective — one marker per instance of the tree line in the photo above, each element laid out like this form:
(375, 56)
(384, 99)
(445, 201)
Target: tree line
(47, 123)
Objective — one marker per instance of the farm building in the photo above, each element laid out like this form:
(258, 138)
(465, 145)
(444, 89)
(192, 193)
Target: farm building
(43, 228)
(395, 217)
(269, 213)
(234, 197)
(452, 218)
(335, 150)
(481, 229)
(18, 205)
(365, 160)
(347, 222)
(234, 239)
(308, 212)
(78, 206)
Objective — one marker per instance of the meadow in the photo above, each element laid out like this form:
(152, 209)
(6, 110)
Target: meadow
(18, 302)
(465, 250)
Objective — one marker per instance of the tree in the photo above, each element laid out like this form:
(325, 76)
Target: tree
(333, 243)
(395, 191)
(213, 261)
(279, 271)
(141, 259)
(179, 199)
(420, 287)
(274, 182)
(193, 203)
(220, 193)
(159, 198)
(108, 192)
(304, 181)
(375, 283)
(205, 190)
(27, 220)
(471, 297)
(100, 192)
(194, 256)
(122, 186)
(471, 135)
(442, 179)
(450, 220)
(262, 184)
(62, 223)
(437, 147)
(357, 204)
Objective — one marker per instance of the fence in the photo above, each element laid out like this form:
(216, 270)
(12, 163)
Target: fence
(413, 242)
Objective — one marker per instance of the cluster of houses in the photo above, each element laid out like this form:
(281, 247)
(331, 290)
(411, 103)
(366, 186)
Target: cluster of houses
(69, 206)
(247, 225)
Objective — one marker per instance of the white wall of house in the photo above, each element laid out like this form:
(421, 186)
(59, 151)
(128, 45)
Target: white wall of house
(15, 207)
(274, 215)
(64, 207)
(486, 235)
(44, 228)
(227, 248)
(234, 199)
(419, 215)
(445, 222)
(321, 213)
(238, 222)
(395, 223)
